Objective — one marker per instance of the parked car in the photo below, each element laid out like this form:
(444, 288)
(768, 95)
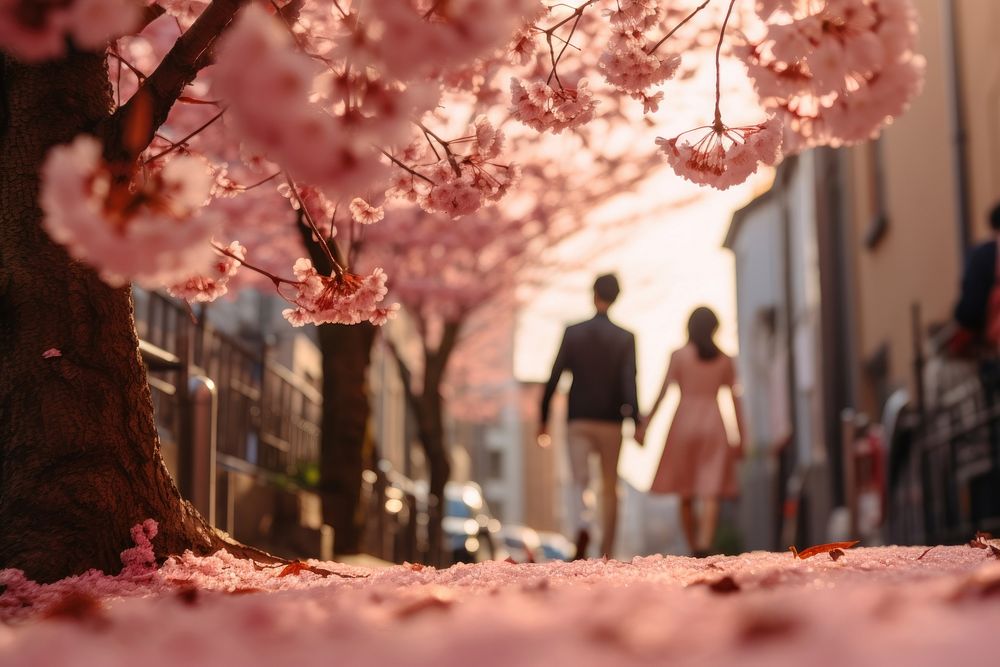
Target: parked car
(521, 543)
(556, 546)
(469, 530)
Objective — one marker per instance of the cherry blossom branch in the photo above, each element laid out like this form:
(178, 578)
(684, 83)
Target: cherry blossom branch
(550, 33)
(340, 9)
(446, 145)
(319, 256)
(434, 8)
(181, 142)
(718, 74)
(277, 280)
(139, 74)
(680, 25)
(403, 166)
(307, 216)
(246, 188)
(149, 14)
(128, 131)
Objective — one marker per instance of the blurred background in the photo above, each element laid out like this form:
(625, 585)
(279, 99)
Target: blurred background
(835, 279)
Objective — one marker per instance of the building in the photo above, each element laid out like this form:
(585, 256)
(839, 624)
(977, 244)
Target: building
(872, 241)
(784, 332)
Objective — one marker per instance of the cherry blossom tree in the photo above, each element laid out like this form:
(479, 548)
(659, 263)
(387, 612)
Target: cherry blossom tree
(162, 143)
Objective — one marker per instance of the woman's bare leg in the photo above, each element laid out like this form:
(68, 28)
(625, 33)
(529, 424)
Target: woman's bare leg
(708, 522)
(688, 522)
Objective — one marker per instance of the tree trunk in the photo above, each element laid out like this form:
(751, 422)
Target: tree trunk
(346, 355)
(79, 454)
(430, 428)
(347, 352)
(430, 421)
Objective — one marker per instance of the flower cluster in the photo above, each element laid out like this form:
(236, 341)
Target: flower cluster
(140, 560)
(150, 227)
(628, 67)
(542, 107)
(364, 213)
(836, 71)
(31, 30)
(628, 62)
(207, 288)
(339, 299)
(459, 184)
(724, 156)
(256, 61)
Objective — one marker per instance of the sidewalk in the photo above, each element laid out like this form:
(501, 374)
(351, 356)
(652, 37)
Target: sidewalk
(870, 607)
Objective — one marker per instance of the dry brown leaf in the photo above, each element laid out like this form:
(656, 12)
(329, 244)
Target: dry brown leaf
(245, 591)
(423, 604)
(77, 606)
(723, 585)
(821, 549)
(188, 595)
(298, 567)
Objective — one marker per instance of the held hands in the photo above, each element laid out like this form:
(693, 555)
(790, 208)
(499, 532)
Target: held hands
(640, 431)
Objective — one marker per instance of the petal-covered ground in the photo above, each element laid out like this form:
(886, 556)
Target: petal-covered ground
(874, 606)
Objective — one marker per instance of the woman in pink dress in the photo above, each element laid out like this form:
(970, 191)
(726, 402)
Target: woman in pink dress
(698, 461)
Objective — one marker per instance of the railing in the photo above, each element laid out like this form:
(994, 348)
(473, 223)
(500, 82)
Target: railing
(944, 457)
(267, 416)
(267, 424)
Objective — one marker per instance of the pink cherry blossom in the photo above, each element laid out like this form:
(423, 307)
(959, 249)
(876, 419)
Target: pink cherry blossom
(364, 213)
(542, 108)
(724, 156)
(33, 31)
(338, 299)
(153, 232)
(627, 66)
(207, 288)
(836, 71)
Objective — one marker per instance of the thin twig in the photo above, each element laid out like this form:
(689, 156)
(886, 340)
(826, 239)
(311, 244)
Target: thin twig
(183, 141)
(446, 145)
(678, 26)
(245, 188)
(403, 166)
(718, 75)
(277, 280)
(337, 268)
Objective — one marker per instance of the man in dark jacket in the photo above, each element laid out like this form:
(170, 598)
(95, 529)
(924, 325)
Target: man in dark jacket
(978, 280)
(601, 357)
(972, 311)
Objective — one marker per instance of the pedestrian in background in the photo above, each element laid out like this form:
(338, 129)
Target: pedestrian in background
(698, 462)
(601, 357)
(977, 312)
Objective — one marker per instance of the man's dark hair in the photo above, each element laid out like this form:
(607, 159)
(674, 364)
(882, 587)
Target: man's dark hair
(606, 288)
(995, 218)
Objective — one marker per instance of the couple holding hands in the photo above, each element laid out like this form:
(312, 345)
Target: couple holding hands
(698, 461)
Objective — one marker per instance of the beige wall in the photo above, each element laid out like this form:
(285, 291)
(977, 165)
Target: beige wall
(917, 260)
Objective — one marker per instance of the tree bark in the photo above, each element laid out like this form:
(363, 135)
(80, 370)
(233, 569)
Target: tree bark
(429, 407)
(347, 352)
(430, 427)
(346, 356)
(79, 454)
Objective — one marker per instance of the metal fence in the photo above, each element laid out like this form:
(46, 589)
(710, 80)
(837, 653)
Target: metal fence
(944, 463)
(267, 416)
(267, 425)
